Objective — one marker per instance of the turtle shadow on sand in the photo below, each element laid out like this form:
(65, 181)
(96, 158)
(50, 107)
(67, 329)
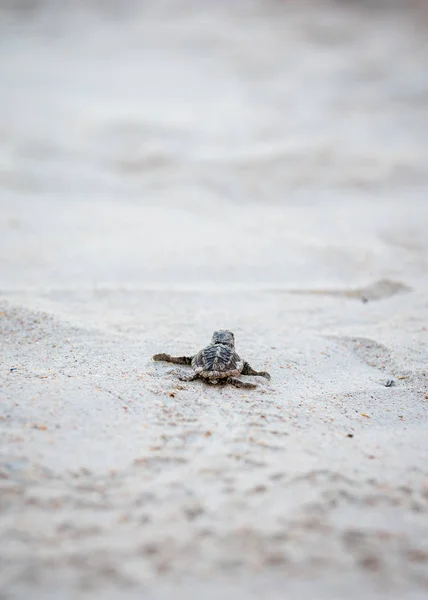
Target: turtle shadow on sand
(217, 363)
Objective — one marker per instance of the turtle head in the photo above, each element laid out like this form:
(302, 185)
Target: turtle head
(222, 336)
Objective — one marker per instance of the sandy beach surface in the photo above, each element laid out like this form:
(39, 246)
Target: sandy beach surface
(170, 168)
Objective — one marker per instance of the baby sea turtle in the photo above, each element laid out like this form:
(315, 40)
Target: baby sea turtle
(217, 363)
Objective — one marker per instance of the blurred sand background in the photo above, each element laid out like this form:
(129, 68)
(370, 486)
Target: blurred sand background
(172, 167)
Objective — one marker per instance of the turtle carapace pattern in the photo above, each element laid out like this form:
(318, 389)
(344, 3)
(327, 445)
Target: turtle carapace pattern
(217, 363)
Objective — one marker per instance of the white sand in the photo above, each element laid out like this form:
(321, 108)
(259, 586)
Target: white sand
(170, 169)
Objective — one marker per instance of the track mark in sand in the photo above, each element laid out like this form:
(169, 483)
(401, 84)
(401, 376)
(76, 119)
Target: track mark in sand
(378, 356)
(323, 476)
(129, 524)
(379, 290)
(370, 352)
(330, 489)
(160, 461)
(368, 548)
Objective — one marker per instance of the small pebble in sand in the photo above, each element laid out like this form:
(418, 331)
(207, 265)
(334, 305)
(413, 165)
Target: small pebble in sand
(389, 383)
(39, 427)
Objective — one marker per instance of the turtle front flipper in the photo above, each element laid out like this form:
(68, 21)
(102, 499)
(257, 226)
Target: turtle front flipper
(247, 370)
(241, 384)
(176, 360)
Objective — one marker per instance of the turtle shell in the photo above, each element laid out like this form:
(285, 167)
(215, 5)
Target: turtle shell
(217, 361)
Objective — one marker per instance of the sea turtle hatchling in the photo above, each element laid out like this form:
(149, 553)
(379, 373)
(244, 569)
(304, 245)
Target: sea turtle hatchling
(216, 363)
